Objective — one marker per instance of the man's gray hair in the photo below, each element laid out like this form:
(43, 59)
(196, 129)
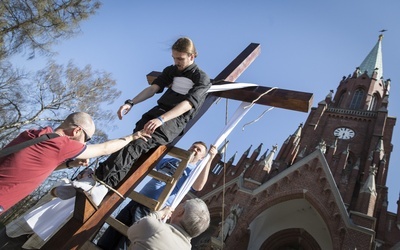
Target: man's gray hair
(196, 218)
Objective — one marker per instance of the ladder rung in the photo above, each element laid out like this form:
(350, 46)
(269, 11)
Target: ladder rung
(144, 200)
(179, 153)
(161, 177)
(119, 226)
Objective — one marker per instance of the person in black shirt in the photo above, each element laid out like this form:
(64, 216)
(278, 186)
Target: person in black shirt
(187, 87)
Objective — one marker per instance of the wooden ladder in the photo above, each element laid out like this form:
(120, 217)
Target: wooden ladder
(78, 232)
(170, 183)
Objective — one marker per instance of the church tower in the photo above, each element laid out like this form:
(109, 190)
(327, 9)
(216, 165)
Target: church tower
(357, 131)
(326, 188)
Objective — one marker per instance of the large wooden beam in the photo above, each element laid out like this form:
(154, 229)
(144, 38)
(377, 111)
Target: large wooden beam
(280, 98)
(74, 234)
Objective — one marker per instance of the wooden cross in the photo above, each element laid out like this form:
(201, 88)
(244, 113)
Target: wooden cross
(77, 231)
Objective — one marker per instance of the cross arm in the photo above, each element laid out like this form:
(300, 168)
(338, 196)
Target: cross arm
(280, 98)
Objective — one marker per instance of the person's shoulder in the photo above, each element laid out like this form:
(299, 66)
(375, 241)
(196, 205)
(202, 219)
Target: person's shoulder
(196, 67)
(169, 69)
(196, 70)
(31, 134)
(46, 130)
(66, 142)
(36, 132)
(150, 222)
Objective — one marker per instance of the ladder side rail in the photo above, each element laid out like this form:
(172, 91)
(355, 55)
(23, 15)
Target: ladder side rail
(185, 157)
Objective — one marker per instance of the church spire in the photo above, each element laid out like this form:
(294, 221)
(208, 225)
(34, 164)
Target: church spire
(222, 149)
(368, 194)
(373, 61)
(365, 89)
(266, 164)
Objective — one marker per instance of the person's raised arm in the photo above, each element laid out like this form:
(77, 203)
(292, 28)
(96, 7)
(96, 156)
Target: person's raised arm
(203, 176)
(109, 147)
(105, 148)
(143, 95)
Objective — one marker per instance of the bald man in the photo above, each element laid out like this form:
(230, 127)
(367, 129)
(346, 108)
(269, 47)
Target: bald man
(23, 171)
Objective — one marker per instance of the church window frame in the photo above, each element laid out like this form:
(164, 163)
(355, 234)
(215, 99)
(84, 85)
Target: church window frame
(372, 106)
(217, 169)
(341, 98)
(358, 97)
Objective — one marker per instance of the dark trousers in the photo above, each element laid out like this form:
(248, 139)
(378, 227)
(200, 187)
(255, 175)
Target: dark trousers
(114, 240)
(8, 243)
(117, 165)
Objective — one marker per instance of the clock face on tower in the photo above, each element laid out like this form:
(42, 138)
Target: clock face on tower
(344, 133)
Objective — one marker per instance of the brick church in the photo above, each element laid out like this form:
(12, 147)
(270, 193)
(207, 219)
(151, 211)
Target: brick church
(325, 188)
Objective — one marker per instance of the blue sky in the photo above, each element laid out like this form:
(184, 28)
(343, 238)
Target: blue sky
(305, 46)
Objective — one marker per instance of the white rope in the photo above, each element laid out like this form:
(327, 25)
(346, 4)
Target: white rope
(263, 113)
(266, 92)
(258, 118)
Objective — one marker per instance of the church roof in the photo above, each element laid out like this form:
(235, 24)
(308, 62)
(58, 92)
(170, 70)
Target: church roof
(374, 60)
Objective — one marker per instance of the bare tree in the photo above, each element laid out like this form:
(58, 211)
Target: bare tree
(46, 97)
(50, 95)
(35, 25)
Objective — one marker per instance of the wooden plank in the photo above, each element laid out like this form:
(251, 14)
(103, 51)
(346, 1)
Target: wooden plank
(180, 153)
(119, 226)
(184, 156)
(161, 177)
(170, 181)
(84, 206)
(144, 200)
(280, 98)
(74, 234)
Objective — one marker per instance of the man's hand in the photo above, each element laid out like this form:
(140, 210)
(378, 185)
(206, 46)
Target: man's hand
(152, 125)
(140, 134)
(165, 213)
(78, 162)
(212, 151)
(123, 110)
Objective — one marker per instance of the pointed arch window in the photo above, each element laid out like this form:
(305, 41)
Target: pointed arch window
(357, 99)
(217, 169)
(341, 98)
(373, 103)
(350, 162)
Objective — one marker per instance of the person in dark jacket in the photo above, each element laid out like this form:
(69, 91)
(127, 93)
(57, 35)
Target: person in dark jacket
(187, 87)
